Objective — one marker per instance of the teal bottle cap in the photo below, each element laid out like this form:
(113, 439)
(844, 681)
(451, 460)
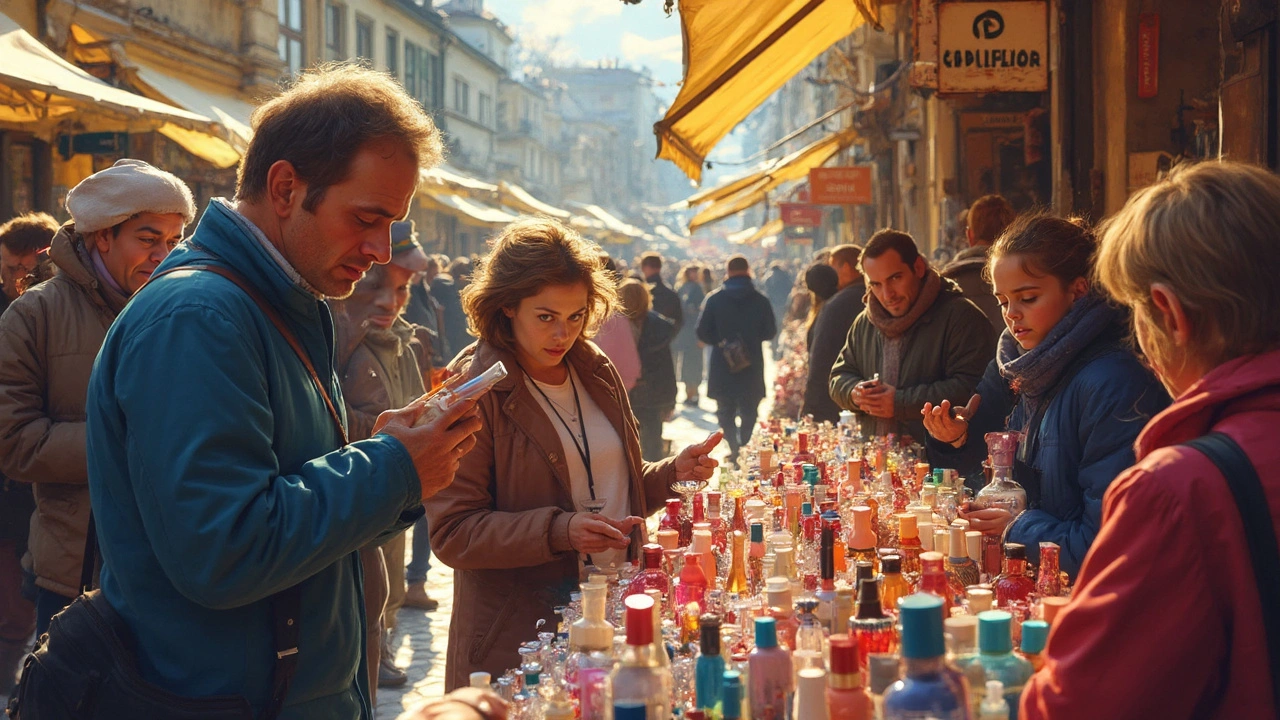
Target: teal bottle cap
(629, 711)
(757, 532)
(731, 695)
(806, 509)
(994, 632)
(921, 616)
(1034, 635)
(810, 473)
(767, 632)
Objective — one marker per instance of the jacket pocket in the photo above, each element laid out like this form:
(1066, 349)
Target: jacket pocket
(489, 632)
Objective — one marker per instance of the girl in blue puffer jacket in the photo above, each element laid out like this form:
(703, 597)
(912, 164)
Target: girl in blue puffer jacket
(1065, 376)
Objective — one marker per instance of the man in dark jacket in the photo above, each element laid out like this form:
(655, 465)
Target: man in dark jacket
(988, 217)
(424, 310)
(777, 286)
(918, 341)
(446, 289)
(740, 317)
(665, 300)
(830, 330)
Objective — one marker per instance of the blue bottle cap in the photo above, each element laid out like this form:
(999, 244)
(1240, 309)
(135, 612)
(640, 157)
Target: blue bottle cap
(757, 532)
(921, 616)
(731, 695)
(806, 509)
(767, 632)
(1034, 635)
(995, 632)
(810, 471)
(628, 711)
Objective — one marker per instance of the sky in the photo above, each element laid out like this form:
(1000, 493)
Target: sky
(590, 31)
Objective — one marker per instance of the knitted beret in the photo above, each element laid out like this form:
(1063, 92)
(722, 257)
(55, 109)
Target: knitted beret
(107, 198)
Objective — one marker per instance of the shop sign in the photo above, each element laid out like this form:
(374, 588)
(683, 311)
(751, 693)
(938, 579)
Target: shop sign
(99, 143)
(1148, 55)
(840, 185)
(800, 214)
(993, 47)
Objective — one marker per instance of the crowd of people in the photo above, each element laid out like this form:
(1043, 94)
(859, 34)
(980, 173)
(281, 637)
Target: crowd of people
(215, 445)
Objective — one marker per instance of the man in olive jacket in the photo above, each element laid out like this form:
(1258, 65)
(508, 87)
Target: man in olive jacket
(918, 341)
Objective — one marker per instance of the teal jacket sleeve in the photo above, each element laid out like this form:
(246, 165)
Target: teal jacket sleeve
(228, 525)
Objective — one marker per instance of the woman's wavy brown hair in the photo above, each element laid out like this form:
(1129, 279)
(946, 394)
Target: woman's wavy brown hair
(526, 257)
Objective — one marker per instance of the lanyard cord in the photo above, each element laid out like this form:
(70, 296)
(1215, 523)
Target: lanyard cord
(584, 450)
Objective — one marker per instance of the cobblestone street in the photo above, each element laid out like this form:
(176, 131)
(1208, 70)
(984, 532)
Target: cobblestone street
(421, 637)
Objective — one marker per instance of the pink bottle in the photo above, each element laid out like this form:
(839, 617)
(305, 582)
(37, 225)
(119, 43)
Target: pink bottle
(691, 587)
(847, 699)
(770, 673)
(652, 577)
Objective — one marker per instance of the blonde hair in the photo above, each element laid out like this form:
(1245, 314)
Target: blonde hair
(635, 299)
(526, 257)
(1208, 232)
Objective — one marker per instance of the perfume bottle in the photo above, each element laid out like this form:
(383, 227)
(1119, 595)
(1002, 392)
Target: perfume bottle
(1013, 584)
(673, 519)
(638, 678)
(996, 660)
(1049, 581)
(847, 699)
(1034, 635)
(710, 666)
(862, 539)
(691, 587)
(894, 587)
(1002, 491)
(731, 692)
(961, 570)
(769, 670)
(740, 522)
(933, 579)
(755, 560)
(719, 529)
(826, 594)
(778, 595)
(872, 628)
(908, 544)
(651, 576)
(736, 582)
(811, 694)
(803, 455)
(931, 688)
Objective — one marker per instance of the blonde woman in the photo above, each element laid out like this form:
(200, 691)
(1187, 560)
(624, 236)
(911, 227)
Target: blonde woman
(1167, 618)
(558, 434)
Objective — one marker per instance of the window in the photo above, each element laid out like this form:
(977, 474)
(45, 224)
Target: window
(364, 38)
(289, 14)
(427, 79)
(411, 56)
(486, 110)
(335, 31)
(393, 53)
(461, 96)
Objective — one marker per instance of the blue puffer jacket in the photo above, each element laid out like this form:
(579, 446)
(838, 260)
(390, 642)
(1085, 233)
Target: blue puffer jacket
(1085, 440)
(217, 480)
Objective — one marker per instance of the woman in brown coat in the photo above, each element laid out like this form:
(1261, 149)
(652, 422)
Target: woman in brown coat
(558, 433)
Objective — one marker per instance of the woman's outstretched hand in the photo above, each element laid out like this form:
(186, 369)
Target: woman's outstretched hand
(695, 463)
(946, 426)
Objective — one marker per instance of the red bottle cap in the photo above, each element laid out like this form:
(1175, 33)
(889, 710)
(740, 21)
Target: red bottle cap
(639, 620)
(844, 655)
(653, 555)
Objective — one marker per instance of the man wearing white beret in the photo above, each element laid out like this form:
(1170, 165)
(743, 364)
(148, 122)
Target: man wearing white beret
(124, 221)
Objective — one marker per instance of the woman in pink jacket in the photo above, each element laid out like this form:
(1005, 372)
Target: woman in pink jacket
(1167, 619)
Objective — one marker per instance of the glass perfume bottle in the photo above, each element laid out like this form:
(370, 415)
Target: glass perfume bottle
(639, 678)
(1001, 491)
(1048, 580)
(908, 544)
(755, 560)
(996, 660)
(691, 587)
(933, 579)
(862, 539)
(931, 688)
(872, 628)
(778, 595)
(673, 519)
(962, 571)
(719, 528)
(1013, 584)
(651, 575)
(736, 581)
(710, 664)
(803, 454)
(893, 586)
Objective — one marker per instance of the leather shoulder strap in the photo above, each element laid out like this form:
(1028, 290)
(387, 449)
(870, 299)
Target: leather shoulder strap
(1259, 532)
(281, 326)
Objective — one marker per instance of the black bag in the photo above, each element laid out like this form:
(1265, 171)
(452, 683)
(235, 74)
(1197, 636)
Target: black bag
(735, 354)
(86, 668)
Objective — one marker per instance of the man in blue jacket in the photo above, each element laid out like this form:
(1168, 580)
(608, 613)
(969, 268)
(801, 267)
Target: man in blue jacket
(217, 473)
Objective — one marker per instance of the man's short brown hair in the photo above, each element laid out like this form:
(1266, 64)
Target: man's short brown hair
(28, 233)
(737, 264)
(846, 254)
(321, 122)
(888, 239)
(651, 259)
(988, 216)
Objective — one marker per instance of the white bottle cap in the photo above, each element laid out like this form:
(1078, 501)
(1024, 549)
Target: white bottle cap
(979, 599)
(942, 541)
(480, 680)
(926, 535)
(811, 695)
(961, 523)
(963, 630)
(973, 544)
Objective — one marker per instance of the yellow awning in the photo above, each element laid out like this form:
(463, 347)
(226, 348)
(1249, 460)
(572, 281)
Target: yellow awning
(736, 55)
(231, 113)
(457, 183)
(773, 227)
(471, 212)
(37, 87)
(520, 199)
(754, 189)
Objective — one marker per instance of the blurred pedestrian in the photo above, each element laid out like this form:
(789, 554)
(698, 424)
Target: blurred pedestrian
(615, 337)
(830, 331)
(654, 396)
(1174, 614)
(688, 351)
(559, 436)
(665, 300)
(445, 288)
(23, 240)
(736, 320)
(778, 284)
(822, 282)
(426, 312)
(985, 222)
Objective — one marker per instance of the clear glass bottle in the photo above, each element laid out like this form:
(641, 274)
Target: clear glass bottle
(996, 660)
(961, 570)
(1002, 491)
(710, 664)
(809, 635)
(651, 575)
(931, 688)
(1013, 584)
(769, 671)
(639, 678)
(778, 595)
(847, 699)
(719, 528)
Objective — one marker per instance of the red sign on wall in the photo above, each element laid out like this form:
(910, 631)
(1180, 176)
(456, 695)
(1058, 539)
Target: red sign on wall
(841, 185)
(800, 215)
(1148, 55)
